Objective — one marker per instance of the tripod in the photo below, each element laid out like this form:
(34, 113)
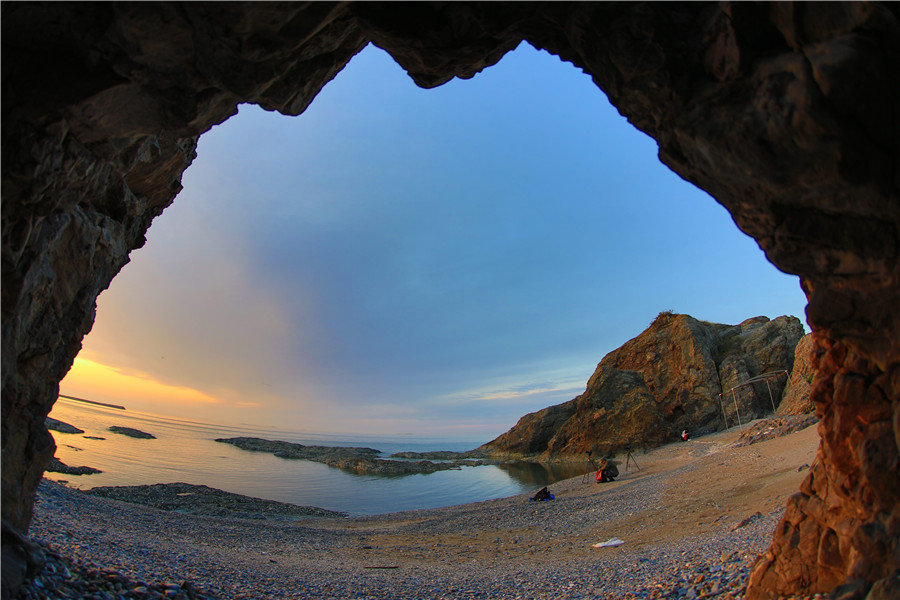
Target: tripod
(630, 459)
(584, 478)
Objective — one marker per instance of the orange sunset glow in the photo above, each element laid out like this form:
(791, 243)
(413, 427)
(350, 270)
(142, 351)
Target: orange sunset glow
(102, 383)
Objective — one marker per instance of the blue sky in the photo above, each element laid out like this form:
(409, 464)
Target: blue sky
(400, 260)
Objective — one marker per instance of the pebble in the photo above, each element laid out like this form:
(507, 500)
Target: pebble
(109, 550)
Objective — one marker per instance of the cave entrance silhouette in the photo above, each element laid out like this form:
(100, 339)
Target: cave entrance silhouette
(103, 104)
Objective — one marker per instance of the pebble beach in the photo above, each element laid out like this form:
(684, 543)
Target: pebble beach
(686, 521)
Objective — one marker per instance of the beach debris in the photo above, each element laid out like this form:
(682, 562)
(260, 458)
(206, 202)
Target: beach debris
(752, 518)
(542, 495)
(610, 543)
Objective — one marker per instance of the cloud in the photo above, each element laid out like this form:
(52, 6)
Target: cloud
(398, 259)
(519, 393)
(96, 381)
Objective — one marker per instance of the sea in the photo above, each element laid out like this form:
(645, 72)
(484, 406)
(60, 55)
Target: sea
(186, 451)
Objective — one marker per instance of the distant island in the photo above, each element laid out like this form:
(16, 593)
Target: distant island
(363, 461)
(131, 432)
(60, 426)
(93, 402)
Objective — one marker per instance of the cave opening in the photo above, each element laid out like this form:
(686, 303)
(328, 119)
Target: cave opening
(103, 103)
(403, 260)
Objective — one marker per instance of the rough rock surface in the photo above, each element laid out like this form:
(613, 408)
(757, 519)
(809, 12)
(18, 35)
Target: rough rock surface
(787, 113)
(796, 399)
(842, 528)
(667, 379)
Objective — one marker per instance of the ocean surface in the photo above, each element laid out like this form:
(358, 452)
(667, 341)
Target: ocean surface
(185, 451)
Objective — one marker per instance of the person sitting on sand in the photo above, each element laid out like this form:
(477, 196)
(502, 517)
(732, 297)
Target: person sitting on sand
(607, 471)
(685, 435)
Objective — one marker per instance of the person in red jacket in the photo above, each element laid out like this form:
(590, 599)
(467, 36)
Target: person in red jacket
(608, 471)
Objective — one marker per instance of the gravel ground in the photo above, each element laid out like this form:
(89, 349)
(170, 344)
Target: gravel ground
(508, 548)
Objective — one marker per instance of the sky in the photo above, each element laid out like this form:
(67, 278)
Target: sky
(406, 261)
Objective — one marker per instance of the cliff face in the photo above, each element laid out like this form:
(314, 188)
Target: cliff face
(796, 399)
(667, 379)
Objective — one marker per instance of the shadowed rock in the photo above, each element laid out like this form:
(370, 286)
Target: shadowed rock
(57, 425)
(57, 466)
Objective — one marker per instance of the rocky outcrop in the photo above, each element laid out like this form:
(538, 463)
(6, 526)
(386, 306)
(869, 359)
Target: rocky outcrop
(796, 398)
(298, 451)
(57, 466)
(131, 432)
(616, 411)
(203, 500)
(57, 425)
(669, 378)
(786, 113)
(362, 461)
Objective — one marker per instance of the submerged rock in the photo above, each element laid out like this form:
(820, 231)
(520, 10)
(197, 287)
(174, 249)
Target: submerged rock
(57, 425)
(57, 466)
(131, 432)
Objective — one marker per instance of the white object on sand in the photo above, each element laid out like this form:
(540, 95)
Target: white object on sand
(611, 542)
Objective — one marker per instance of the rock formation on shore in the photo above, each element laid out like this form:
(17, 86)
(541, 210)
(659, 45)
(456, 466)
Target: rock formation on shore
(195, 499)
(667, 379)
(786, 113)
(796, 399)
(57, 466)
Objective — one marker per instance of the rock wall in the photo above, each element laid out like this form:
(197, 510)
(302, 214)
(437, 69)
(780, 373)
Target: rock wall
(796, 398)
(841, 529)
(667, 379)
(787, 113)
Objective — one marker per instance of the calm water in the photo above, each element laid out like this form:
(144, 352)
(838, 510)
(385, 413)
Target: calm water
(185, 451)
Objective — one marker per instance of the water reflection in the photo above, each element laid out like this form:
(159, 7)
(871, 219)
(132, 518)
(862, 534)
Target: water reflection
(185, 452)
(538, 475)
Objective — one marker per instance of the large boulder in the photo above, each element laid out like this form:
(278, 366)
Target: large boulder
(669, 378)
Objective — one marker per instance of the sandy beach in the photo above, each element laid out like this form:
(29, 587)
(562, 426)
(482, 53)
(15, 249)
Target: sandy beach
(692, 516)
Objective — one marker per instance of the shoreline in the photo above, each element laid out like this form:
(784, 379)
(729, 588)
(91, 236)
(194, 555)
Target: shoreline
(693, 520)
